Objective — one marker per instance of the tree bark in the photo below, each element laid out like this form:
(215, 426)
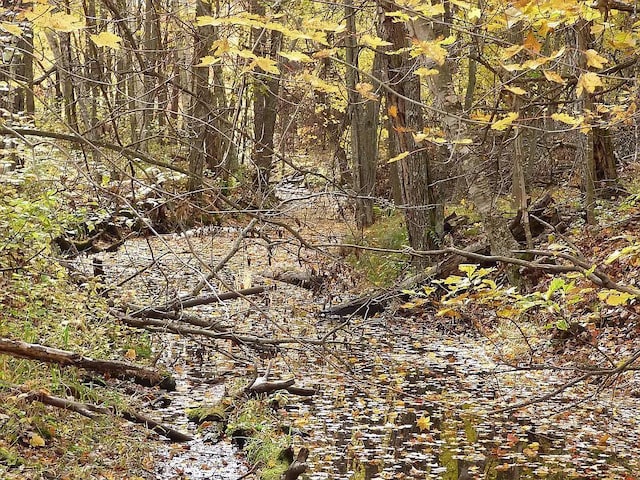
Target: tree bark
(34, 351)
(403, 105)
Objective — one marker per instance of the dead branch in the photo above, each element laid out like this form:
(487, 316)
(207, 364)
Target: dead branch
(170, 310)
(93, 411)
(307, 280)
(237, 338)
(32, 351)
(299, 465)
(602, 372)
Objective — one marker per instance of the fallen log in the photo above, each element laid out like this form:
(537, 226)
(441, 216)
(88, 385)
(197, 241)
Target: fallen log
(169, 310)
(306, 280)
(33, 351)
(378, 301)
(93, 411)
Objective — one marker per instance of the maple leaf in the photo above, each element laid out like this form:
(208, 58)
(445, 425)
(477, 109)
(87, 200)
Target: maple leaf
(425, 72)
(399, 157)
(506, 121)
(424, 423)
(569, 120)
(530, 43)
(11, 28)
(296, 57)
(366, 90)
(266, 65)
(373, 41)
(107, 39)
(207, 61)
(553, 77)
(594, 59)
(588, 81)
(432, 50)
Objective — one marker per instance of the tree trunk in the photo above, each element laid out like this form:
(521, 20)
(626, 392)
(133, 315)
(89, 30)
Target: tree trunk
(364, 127)
(403, 97)
(266, 44)
(474, 165)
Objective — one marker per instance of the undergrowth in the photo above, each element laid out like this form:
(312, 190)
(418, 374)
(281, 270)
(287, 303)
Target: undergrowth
(40, 303)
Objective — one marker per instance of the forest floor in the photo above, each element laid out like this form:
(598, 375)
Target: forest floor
(411, 393)
(419, 391)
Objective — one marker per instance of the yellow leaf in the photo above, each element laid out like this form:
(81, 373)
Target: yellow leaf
(207, 61)
(513, 67)
(623, 41)
(553, 77)
(130, 354)
(373, 41)
(507, 53)
(429, 10)
(11, 28)
(597, 28)
(425, 72)
(366, 90)
(296, 57)
(62, 22)
(432, 50)
(107, 39)
(424, 423)
(530, 43)
(534, 63)
(588, 81)
(36, 441)
(393, 111)
(569, 120)
(506, 121)
(399, 157)
(516, 90)
(594, 59)
(327, 52)
(266, 65)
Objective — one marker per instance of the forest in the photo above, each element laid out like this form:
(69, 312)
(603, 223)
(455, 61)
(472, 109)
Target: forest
(367, 239)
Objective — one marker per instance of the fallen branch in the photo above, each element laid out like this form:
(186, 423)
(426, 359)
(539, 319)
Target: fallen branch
(237, 338)
(32, 351)
(93, 411)
(170, 309)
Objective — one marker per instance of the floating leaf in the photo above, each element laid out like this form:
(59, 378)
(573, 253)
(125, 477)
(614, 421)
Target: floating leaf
(107, 39)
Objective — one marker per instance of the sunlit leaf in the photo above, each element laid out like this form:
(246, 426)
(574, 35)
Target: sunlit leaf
(207, 61)
(588, 81)
(594, 59)
(515, 90)
(399, 157)
(424, 423)
(568, 119)
(553, 77)
(426, 72)
(36, 440)
(505, 122)
(267, 65)
(373, 41)
(11, 28)
(530, 43)
(296, 57)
